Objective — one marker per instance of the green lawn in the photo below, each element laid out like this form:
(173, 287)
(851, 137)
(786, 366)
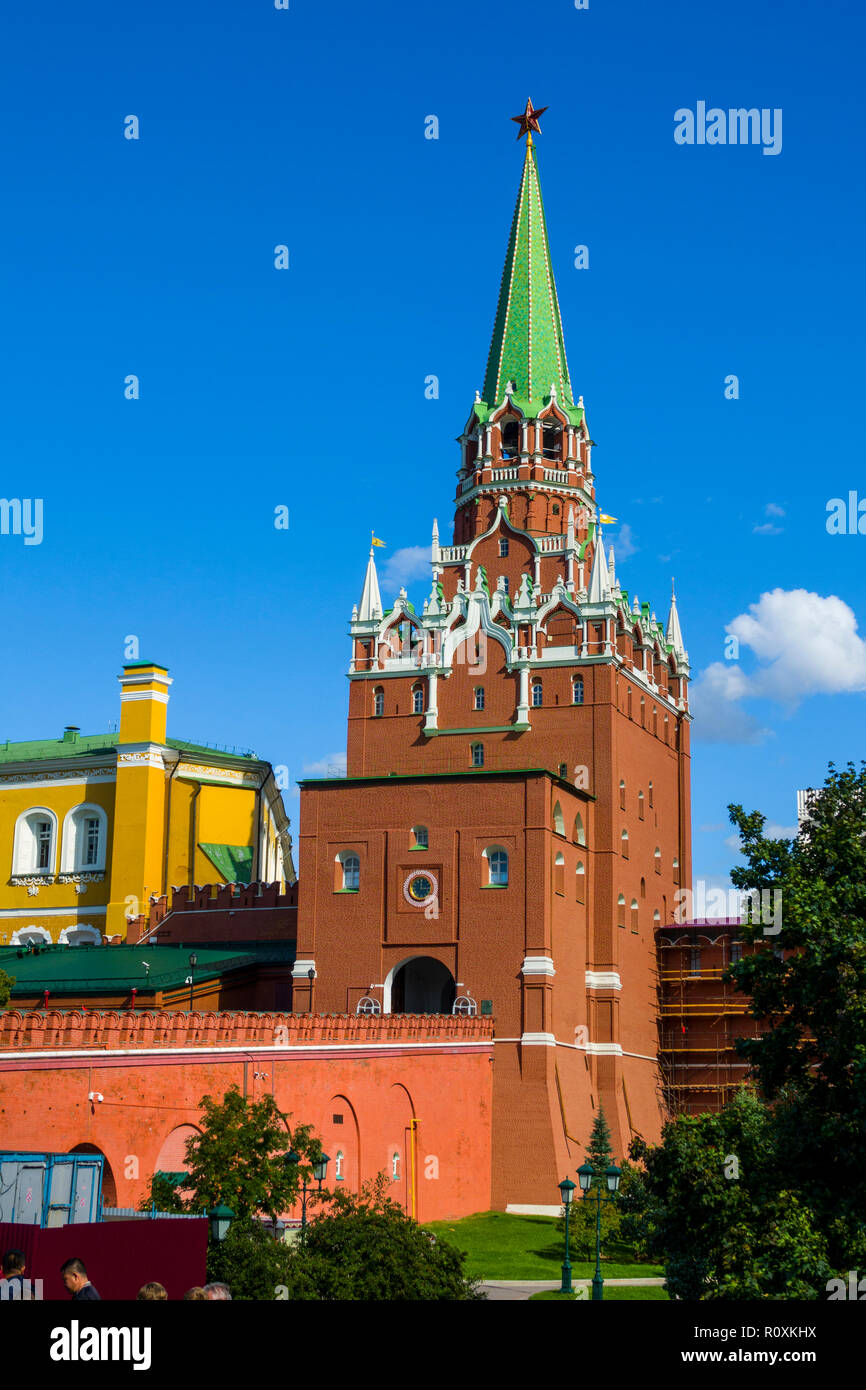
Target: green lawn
(616, 1295)
(501, 1246)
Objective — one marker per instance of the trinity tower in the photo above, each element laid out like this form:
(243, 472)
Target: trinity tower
(515, 820)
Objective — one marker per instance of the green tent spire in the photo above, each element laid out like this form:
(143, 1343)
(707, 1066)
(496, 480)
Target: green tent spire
(528, 347)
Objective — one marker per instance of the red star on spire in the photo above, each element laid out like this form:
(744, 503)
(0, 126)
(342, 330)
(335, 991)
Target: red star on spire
(528, 121)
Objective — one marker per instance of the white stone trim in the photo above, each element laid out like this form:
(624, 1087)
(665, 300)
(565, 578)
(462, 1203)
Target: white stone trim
(538, 1040)
(28, 782)
(156, 695)
(533, 1209)
(237, 776)
(250, 1049)
(146, 677)
(537, 965)
(603, 979)
(301, 968)
(51, 911)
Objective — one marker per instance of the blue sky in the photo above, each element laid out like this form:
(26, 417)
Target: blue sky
(305, 387)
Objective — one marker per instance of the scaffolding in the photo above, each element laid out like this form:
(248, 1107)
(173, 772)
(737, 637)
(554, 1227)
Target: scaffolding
(698, 1063)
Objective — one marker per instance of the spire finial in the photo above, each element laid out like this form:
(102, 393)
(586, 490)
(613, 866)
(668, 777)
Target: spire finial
(528, 120)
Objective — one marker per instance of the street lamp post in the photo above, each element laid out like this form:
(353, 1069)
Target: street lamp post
(193, 961)
(585, 1176)
(220, 1220)
(566, 1188)
(320, 1172)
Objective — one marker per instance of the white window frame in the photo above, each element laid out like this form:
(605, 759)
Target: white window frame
(25, 842)
(73, 844)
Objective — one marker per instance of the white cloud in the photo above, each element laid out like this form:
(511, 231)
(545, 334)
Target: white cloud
(808, 645)
(333, 765)
(805, 644)
(773, 509)
(771, 831)
(623, 544)
(713, 702)
(768, 529)
(412, 562)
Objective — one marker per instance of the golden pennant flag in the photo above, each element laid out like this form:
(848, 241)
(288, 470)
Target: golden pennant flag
(607, 520)
(376, 541)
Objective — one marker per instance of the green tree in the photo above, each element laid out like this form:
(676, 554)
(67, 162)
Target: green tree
(367, 1248)
(6, 983)
(239, 1160)
(808, 981)
(252, 1263)
(583, 1215)
(716, 1213)
(163, 1195)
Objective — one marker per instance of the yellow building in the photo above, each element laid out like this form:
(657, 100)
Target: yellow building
(92, 826)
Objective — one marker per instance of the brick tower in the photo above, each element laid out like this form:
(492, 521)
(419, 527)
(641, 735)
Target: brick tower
(514, 823)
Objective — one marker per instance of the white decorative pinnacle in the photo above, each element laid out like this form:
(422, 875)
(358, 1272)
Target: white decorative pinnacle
(673, 632)
(370, 606)
(553, 390)
(477, 395)
(580, 402)
(599, 580)
(611, 569)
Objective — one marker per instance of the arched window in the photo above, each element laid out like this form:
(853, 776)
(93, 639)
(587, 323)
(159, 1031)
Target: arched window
(620, 911)
(478, 702)
(84, 839)
(676, 871)
(338, 1166)
(650, 793)
(642, 712)
(395, 1167)
(624, 842)
(579, 832)
(666, 729)
(657, 921)
(503, 548)
(657, 859)
(577, 691)
(417, 699)
(559, 875)
(31, 936)
(580, 882)
(510, 445)
(655, 721)
(558, 819)
(80, 935)
(537, 694)
(421, 838)
(497, 866)
(634, 914)
(478, 755)
(640, 810)
(629, 704)
(622, 796)
(664, 908)
(551, 441)
(643, 887)
(378, 702)
(35, 843)
(348, 872)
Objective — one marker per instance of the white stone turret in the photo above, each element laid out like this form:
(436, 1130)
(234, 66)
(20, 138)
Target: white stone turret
(370, 606)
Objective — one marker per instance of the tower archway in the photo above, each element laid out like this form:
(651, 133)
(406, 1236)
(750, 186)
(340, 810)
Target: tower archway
(420, 985)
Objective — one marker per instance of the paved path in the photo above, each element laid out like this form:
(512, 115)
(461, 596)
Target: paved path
(518, 1290)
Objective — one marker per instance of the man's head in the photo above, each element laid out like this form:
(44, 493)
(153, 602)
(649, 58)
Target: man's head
(217, 1291)
(14, 1262)
(74, 1275)
(152, 1293)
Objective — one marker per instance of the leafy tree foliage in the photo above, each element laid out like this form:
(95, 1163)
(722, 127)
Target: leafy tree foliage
(250, 1261)
(367, 1248)
(583, 1216)
(809, 982)
(716, 1213)
(163, 1195)
(6, 983)
(239, 1160)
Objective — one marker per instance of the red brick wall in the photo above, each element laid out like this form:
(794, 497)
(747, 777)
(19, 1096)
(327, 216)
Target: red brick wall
(377, 1073)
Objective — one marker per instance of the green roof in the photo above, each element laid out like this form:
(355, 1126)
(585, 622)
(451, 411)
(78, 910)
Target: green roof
(528, 347)
(235, 862)
(35, 750)
(97, 970)
(474, 772)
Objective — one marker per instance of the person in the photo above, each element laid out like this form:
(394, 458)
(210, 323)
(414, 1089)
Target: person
(217, 1291)
(14, 1286)
(195, 1295)
(152, 1293)
(74, 1276)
